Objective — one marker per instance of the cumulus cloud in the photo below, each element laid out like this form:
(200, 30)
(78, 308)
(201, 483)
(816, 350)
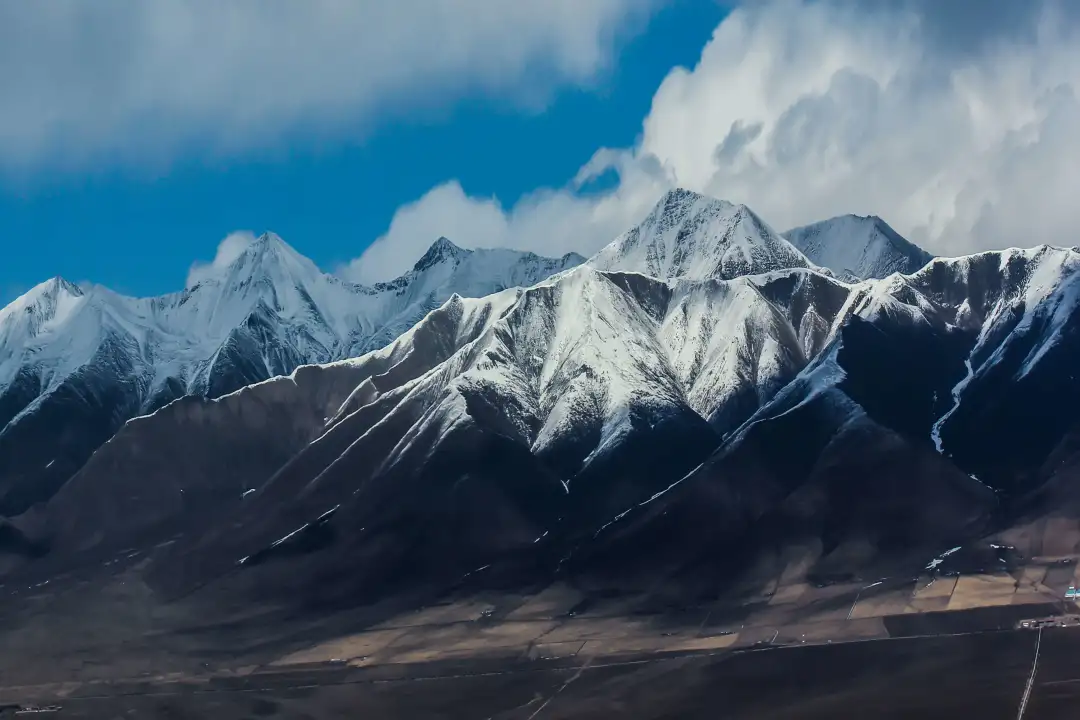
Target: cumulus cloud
(228, 250)
(130, 80)
(955, 124)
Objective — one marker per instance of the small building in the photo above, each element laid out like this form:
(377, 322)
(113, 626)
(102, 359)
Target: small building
(1071, 593)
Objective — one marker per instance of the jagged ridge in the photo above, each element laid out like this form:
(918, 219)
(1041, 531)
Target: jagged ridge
(76, 363)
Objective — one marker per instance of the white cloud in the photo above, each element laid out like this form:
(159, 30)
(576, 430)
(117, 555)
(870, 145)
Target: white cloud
(228, 250)
(551, 223)
(135, 81)
(804, 110)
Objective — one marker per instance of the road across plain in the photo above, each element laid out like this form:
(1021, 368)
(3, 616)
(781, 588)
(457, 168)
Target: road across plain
(969, 674)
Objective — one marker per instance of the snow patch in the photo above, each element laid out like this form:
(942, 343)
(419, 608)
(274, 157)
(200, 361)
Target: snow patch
(936, 562)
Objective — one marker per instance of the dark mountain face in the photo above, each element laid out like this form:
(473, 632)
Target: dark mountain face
(55, 435)
(381, 453)
(815, 478)
(396, 474)
(901, 374)
(76, 365)
(1012, 416)
(193, 461)
(842, 472)
(677, 439)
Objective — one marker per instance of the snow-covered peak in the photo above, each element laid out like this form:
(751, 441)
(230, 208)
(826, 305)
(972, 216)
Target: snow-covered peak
(495, 267)
(691, 236)
(271, 259)
(75, 364)
(264, 312)
(41, 295)
(44, 305)
(858, 248)
(446, 269)
(268, 276)
(442, 250)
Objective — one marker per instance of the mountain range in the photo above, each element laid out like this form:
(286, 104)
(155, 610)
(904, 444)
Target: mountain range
(699, 407)
(76, 364)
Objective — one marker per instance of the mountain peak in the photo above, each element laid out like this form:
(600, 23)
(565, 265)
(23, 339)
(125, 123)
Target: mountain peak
(49, 292)
(268, 256)
(271, 244)
(440, 250)
(270, 241)
(693, 236)
(49, 302)
(56, 285)
(680, 194)
(858, 247)
(682, 197)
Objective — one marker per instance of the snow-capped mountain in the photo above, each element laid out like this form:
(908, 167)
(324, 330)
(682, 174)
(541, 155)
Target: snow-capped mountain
(75, 363)
(597, 392)
(600, 389)
(946, 400)
(1018, 391)
(695, 237)
(446, 270)
(597, 388)
(645, 420)
(858, 248)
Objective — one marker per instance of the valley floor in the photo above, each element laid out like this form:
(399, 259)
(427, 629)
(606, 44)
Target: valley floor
(982, 674)
(923, 647)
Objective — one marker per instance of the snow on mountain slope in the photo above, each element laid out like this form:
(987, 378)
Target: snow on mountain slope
(998, 331)
(691, 236)
(26, 316)
(536, 417)
(590, 353)
(447, 269)
(551, 410)
(813, 488)
(1011, 307)
(858, 248)
(972, 357)
(266, 313)
(31, 320)
(611, 385)
(734, 344)
(1018, 393)
(249, 434)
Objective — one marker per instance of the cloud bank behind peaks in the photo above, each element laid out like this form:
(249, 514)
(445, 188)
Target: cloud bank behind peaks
(804, 110)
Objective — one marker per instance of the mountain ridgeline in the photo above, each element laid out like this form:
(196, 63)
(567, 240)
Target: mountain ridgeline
(674, 418)
(76, 364)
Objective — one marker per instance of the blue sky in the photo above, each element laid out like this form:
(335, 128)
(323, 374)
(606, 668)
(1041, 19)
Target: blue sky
(137, 135)
(138, 231)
